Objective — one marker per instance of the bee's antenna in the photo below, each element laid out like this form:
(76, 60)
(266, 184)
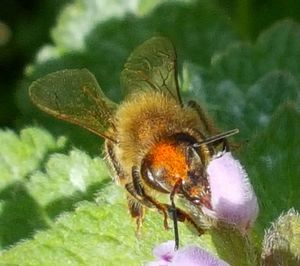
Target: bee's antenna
(217, 137)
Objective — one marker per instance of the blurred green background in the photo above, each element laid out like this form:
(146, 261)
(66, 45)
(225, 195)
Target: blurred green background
(26, 26)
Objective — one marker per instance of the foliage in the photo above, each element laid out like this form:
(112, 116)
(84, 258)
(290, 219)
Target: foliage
(57, 203)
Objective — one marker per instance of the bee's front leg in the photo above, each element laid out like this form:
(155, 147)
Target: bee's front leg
(145, 198)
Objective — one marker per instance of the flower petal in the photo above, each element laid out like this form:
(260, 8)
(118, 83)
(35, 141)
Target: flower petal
(232, 197)
(195, 256)
(189, 256)
(165, 251)
(158, 263)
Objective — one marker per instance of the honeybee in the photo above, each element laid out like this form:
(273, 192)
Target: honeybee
(154, 142)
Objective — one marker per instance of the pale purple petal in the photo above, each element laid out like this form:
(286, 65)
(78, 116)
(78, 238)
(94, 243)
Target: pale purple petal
(232, 197)
(158, 263)
(189, 256)
(195, 256)
(165, 251)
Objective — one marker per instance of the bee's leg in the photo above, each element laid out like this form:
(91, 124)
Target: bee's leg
(137, 212)
(146, 199)
(137, 203)
(120, 174)
(136, 209)
(139, 198)
(208, 124)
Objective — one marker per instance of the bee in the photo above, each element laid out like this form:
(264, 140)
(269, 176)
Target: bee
(155, 143)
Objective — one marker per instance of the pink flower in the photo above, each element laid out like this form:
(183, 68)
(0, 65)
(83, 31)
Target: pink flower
(188, 256)
(232, 197)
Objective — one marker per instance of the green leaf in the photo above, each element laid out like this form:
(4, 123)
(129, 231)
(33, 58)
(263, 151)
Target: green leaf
(272, 162)
(267, 94)
(51, 209)
(246, 83)
(79, 18)
(30, 199)
(95, 234)
(275, 49)
(20, 155)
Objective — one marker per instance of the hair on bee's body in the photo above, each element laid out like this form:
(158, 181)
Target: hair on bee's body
(151, 122)
(153, 142)
(147, 118)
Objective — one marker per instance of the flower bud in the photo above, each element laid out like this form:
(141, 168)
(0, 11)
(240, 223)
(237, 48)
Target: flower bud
(233, 200)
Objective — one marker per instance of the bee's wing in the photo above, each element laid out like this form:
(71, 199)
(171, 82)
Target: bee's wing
(75, 96)
(152, 66)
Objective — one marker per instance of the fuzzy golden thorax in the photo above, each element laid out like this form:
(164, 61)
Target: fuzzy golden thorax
(146, 118)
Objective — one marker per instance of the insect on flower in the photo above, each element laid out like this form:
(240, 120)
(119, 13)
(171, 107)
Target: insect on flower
(155, 143)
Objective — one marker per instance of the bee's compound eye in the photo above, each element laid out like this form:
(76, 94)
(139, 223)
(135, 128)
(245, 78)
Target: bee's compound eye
(196, 169)
(154, 178)
(192, 155)
(193, 158)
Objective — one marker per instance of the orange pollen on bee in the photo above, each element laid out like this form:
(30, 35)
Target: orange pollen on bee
(171, 159)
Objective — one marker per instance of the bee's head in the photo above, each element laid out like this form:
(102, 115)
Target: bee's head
(195, 187)
(178, 159)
